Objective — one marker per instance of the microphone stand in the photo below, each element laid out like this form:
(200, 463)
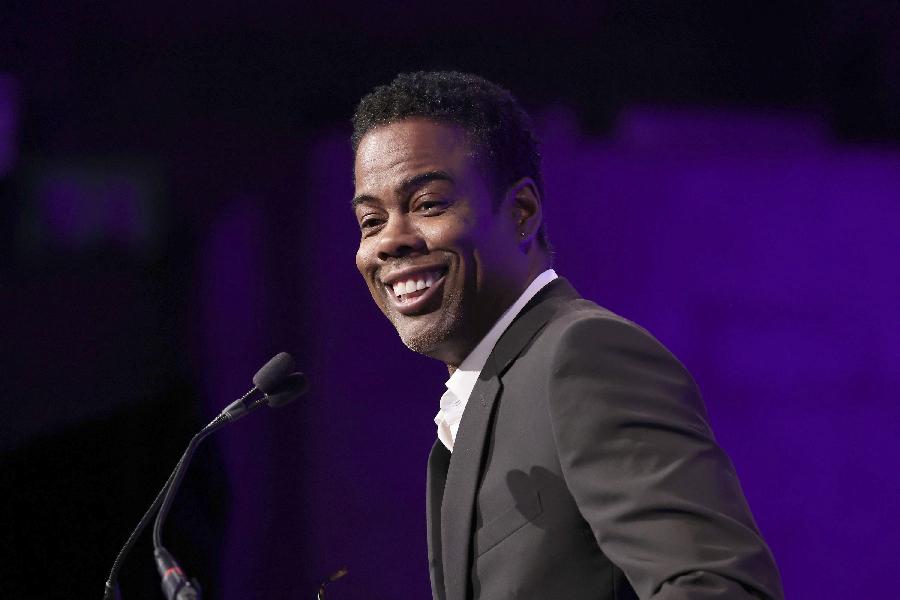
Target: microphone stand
(111, 589)
(279, 387)
(175, 584)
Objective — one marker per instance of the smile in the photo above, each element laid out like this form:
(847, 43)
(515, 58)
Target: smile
(410, 292)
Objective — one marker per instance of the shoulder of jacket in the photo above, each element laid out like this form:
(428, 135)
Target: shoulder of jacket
(581, 312)
(584, 320)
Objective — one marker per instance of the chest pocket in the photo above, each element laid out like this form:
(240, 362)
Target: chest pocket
(510, 521)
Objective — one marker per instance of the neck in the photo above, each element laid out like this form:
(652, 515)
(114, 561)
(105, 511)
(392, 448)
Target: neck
(458, 353)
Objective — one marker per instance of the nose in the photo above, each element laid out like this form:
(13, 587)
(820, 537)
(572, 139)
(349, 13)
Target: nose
(399, 238)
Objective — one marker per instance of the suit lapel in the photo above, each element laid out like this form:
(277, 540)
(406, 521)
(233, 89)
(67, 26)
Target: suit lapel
(462, 482)
(463, 475)
(438, 462)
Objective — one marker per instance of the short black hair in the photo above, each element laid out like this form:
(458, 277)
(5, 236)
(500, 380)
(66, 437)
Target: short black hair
(498, 126)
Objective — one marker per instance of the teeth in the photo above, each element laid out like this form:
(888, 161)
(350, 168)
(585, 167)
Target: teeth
(420, 282)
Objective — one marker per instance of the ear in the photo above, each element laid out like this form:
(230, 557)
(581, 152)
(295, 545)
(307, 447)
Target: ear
(524, 204)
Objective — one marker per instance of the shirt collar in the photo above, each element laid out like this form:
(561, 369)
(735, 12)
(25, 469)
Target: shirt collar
(463, 380)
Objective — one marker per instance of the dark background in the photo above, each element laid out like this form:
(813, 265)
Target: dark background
(175, 183)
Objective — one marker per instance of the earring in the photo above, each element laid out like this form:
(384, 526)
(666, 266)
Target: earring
(522, 233)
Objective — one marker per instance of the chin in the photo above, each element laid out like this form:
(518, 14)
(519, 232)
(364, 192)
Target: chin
(429, 338)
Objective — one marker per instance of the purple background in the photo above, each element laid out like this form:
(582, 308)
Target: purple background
(178, 211)
(752, 246)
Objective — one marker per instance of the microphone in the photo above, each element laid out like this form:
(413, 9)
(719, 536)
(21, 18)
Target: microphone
(279, 387)
(274, 372)
(294, 386)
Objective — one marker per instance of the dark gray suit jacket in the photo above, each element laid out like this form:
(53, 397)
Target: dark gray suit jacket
(585, 468)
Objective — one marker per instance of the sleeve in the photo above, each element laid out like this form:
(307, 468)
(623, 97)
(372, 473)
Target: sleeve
(638, 455)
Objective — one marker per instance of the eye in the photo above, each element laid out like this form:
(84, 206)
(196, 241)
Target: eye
(431, 206)
(370, 221)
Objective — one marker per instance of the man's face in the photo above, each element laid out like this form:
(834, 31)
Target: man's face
(439, 261)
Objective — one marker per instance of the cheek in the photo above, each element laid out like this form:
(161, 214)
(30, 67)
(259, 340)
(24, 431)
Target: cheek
(457, 234)
(364, 256)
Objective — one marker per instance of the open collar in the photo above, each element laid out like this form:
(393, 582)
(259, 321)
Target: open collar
(464, 379)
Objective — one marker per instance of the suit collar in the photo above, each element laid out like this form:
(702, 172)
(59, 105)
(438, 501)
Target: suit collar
(464, 471)
(528, 323)
(465, 377)
(463, 381)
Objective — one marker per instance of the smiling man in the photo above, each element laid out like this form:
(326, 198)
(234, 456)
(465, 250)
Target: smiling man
(574, 458)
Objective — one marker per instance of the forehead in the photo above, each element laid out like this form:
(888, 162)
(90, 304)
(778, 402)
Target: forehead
(393, 152)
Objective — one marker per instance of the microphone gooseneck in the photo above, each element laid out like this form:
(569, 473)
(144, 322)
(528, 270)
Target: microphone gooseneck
(279, 387)
(173, 485)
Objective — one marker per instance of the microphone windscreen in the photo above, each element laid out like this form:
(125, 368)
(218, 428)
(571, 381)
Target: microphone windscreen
(274, 372)
(292, 388)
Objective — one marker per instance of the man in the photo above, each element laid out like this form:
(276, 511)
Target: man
(574, 459)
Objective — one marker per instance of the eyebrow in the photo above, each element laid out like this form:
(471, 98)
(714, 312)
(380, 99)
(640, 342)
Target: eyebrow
(406, 186)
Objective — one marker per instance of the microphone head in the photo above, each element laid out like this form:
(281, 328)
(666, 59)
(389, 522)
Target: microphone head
(293, 387)
(273, 373)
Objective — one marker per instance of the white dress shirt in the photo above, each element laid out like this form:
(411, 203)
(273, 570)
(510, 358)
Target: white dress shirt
(462, 382)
